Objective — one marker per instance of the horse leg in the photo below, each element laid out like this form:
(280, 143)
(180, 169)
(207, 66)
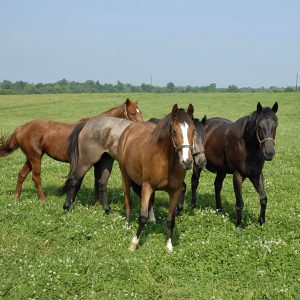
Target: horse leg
(258, 183)
(152, 218)
(179, 207)
(147, 191)
(73, 185)
(36, 176)
(218, 187)
(26, 169)
(237, 185)
(102, 171)
(126, 184)
(195, 182)
(174, 198)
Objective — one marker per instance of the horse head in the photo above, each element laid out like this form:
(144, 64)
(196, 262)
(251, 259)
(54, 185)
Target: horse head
(266, 125)
(198, 151)
(132, 112)
(182, 135)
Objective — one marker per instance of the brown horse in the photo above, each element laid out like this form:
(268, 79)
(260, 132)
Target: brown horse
(239, 148)
(156, 158)
(41, 136)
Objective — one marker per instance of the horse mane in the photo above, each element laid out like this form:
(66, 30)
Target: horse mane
(163, 127)
(247, 124)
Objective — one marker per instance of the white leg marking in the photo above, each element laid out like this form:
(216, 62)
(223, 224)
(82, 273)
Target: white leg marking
(185, 151)
(134, 243)
(152, 215)
(169, 245)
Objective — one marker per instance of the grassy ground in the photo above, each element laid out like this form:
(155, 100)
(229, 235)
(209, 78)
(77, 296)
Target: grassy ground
(46, 254)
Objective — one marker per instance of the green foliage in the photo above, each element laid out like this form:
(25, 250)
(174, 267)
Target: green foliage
(89, 86)
(47, 254)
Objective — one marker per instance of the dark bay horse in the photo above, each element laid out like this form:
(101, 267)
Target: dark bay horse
(41, 136)
(239, 148)
(156, 159)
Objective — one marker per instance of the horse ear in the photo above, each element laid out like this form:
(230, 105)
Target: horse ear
(136, 102)
(204, 119)
(174, 111)
(259, 107)
(190, 110)
(275, 107)
(127, 101)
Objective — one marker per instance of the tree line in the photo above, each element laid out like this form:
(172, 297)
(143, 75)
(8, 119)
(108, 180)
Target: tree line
(8, 87)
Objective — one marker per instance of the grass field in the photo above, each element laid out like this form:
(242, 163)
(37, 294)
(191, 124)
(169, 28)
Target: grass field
(46, 254)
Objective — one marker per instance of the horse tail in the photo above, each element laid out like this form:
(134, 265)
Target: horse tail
(73, 153)
(8, 144)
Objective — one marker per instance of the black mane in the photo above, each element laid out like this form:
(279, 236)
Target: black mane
(163, 128)
(247, 125)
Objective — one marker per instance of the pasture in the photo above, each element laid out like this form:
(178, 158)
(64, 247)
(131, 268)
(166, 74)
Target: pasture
(48, 254)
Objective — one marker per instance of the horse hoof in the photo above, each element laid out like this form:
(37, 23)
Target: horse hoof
(178, 211)
(239, 226)
(132, 248)
(127, 226)
(192, 206)
(261, 221)
(107, 211)
(66, 208)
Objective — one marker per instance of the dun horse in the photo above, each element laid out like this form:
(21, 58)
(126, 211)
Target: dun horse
(41, 136)
(156, 159)
(239, 148)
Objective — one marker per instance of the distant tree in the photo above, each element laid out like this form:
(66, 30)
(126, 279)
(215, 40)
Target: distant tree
(232, 89)
(170, 87)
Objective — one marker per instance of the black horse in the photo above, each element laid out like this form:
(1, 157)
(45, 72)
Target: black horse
(239, 148)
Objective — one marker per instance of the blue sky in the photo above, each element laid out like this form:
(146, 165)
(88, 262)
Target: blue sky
(247, 43)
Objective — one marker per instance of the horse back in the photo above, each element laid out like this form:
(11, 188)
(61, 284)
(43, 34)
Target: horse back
(145, 160)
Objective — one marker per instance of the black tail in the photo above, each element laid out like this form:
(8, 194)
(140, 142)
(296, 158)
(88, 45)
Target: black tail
(73, 153)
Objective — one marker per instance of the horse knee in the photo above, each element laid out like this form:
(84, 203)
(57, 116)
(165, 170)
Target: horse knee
(171, 224)
(143, 220)
(263, 202)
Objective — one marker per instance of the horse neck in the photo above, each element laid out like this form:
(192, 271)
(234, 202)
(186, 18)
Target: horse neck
(250, 137)
(167, 146)
(117, 112)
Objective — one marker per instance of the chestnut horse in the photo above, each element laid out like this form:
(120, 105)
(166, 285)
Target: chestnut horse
(41, 136)
(239, 148)
(156, 159)
(86, 151)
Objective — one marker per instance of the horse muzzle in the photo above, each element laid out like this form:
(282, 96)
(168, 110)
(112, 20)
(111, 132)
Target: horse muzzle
(199, 159)
(186, 164)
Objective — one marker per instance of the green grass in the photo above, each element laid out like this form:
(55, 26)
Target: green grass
(46, 254)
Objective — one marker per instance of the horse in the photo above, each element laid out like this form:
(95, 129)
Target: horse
(41, 136)
(156, 159)
(198, 156)
(239, 148)
(96, 144)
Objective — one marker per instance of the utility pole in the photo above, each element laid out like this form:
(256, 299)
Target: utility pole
(296, 81)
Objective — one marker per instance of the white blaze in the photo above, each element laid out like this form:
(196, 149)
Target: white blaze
(185, 151)
(137, 110)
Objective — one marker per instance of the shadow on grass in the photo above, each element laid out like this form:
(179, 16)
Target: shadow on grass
(204, 201)
(207, 201)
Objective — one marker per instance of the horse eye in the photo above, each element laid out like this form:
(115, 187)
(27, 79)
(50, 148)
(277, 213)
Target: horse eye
(132, 113)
